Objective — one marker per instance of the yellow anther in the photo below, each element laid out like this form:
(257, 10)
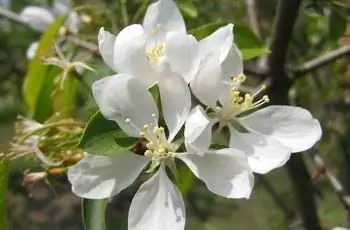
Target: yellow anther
(145, 127)
(155, 53)
(142, 134)
(148, 153)
(266, 98)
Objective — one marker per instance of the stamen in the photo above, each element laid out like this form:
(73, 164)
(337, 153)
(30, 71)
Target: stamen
(259, 90)
(155, 53)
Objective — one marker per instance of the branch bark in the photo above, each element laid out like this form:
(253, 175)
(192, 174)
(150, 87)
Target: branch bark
(287, 13)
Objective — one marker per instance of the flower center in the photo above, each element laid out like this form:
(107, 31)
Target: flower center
(155, 53)
(239, 102)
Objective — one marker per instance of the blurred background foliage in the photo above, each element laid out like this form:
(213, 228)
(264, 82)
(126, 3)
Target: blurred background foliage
(323, 25)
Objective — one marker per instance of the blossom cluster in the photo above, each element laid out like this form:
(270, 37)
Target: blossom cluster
(160, 53)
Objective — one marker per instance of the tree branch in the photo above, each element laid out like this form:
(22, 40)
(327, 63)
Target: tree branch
(321, 61)
(252, 15)
(287, 12)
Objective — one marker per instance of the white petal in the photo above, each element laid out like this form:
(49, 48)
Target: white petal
(120, 97)
(207, 84)
(31, 51)
(233, 64)
(292, 126)
(181, 52)
(72, 22)
(37, 17)
(165, 16)
(264, 152)
(225, 172)
(106, 42)
(175, 98)
(130, 54)
(198, 128)
(98, 177)
(220, 41)
(61, 6)
(157, 205)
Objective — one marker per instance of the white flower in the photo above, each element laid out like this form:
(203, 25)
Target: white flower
(149, 51)
(40, 18)
(158, 204)
(268, 136)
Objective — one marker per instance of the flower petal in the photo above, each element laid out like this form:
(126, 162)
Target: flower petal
(292, 126)
(157, 205)
(99, 177)
(165, 16)
(73, 22)
(175, 98)
(264, 152)
(61, 6)
(31, 51)
(37, 18)
(225, 172)
(233, 63)
(181, 52)
(207, 84)
(198, 128)
(130, 54)
(220, 41)
(120, 97)
(106, 42)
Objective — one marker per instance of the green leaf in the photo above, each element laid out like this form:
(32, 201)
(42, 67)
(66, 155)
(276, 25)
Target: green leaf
(3, 191)
(336, 24)
(250, 45)
(104, 137)
(93, 214)
(35, 79)
(187, 180)
(204, 30)
(188, 9)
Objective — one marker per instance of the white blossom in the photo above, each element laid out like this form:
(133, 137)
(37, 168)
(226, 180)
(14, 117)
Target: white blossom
(158, 204)
(267, 135)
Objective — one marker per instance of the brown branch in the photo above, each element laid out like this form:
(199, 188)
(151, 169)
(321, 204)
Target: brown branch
(287, 13)
(322, 61)
(335, 183)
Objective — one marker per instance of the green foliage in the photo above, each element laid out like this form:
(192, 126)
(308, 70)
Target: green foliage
(337, 22)
(37, 77)
(104, 137)
(3, 190)
(93, 214)
(249, 44)
(188, 9)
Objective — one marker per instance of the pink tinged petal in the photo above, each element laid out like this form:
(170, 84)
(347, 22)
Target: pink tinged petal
(120, 97)
(99, 177)
(218, 42)
(294, 127)
(207, 84)
(181, 52)
(198, 131)
(233, 64)
(264, 152)
(37, 18)
(106, 42)
(157, 205)
(225, 172)
(163, 15)
(130, 54)
(175, 98)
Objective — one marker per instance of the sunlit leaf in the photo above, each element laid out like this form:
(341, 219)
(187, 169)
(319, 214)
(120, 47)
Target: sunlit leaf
(204, 30)
(93, 214)
(36, 77)
(104, 137)
(188, 9)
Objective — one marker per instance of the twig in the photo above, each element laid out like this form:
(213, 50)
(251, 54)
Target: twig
(16, 18)
(322, 60)
(287, 13)
(252, 16)
(335, 183)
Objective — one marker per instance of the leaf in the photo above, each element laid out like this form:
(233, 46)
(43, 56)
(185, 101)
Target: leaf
(336, 24)
(3, 191)
(204, 30)
(249, 44)
(104, 137)
(93, 214)
(188, 9)
(187, 180)
(35, 79)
